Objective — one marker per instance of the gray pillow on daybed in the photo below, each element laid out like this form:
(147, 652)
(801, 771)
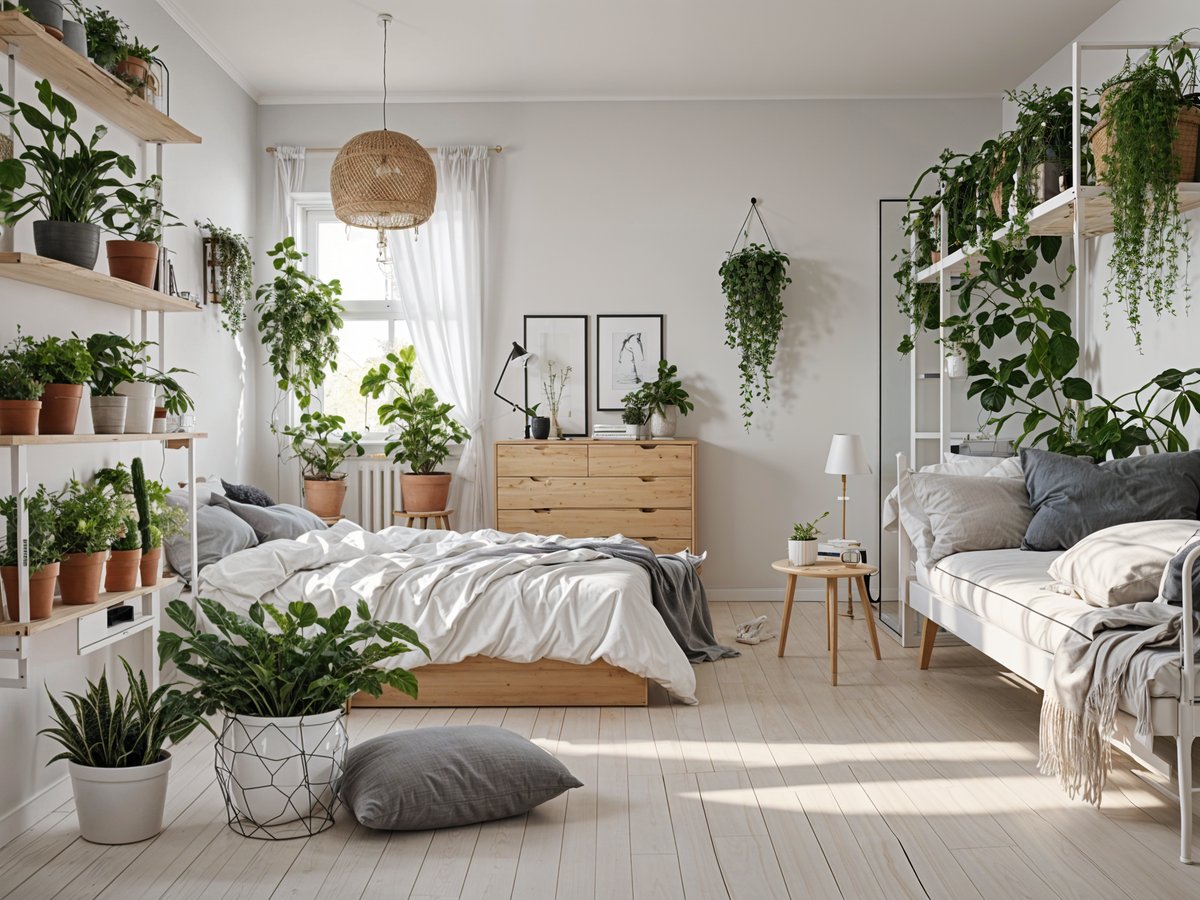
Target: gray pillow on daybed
(442, 777)
(219, 533)
(272, 523)
(1171, 588)
(1073, 497)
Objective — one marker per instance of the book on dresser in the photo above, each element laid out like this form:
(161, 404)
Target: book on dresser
(644, 489)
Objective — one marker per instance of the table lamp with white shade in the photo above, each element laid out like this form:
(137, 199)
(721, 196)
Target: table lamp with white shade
(846, 457)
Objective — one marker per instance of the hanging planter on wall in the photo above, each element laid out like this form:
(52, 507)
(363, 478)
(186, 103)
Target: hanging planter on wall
(753, 280)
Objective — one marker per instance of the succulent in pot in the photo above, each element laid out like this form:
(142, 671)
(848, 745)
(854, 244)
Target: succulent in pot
(139, 218)
(321, 450)
(124, 559)
(20, 395)
(424, 430)
(89, 519)
(63, 366)
(43, 553)
(802, 546)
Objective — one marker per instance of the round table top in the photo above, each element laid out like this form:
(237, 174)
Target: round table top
(825, 569)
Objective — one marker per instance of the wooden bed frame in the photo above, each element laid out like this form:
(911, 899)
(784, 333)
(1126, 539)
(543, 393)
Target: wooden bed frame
(486, 681)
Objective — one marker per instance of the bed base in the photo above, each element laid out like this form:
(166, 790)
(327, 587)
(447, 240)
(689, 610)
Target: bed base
(486, 681)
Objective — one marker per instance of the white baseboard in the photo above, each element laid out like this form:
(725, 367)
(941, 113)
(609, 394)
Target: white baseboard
(763, 595)
(33, 810)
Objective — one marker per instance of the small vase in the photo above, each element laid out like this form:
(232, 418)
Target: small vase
(556, 431)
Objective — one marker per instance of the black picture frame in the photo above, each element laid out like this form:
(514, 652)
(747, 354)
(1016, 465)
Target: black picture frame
(608, 392)
(577, 355)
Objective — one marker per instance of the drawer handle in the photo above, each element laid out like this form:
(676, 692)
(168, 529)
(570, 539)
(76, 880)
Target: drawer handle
(649, 510)
(650, 537)
(648, 478)
(536, 478)
(541, 512)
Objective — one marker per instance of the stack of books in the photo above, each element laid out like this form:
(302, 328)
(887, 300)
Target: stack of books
(603, 432)
(831, 550)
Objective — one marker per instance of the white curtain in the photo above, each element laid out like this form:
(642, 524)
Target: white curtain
(440, 272)
(289, 178)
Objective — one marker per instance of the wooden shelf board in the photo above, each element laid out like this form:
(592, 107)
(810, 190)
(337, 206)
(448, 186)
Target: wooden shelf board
(62, 614)
(42, 440)
(82, 282)
(81, 79)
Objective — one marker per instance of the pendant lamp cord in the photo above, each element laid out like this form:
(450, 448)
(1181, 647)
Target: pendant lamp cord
(385, 26)
(744, 232)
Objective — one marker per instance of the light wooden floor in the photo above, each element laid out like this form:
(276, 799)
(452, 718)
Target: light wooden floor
(894, 784)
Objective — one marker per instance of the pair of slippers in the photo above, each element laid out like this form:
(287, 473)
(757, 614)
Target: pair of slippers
(754, 631)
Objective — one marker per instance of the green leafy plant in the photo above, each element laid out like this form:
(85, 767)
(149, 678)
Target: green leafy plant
(299, 320)
(808, 531)
(633, 415)
(137, 213)
(666, 390)
(234, 274)
(425, 429)
(116, 358)
(16, 382)
(753, 279)
(55, 360)
(43, 532)
(302, 664)
(106, 38)
(319, 447)
(90, 517)
(138, 50)
(113, 730)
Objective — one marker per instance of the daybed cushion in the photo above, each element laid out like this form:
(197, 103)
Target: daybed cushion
(247, 493)
(219, 533)
(442, 777)
(1073, 497)
(1124, 563)
(1171, 587)
(971, 512)
(273, 523)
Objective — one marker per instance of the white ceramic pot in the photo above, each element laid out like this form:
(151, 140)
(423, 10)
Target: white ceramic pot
(108, 414)
(956, 365)
(633, 430)
(139, 415)
(662, 425)
(120, 806)
(802, 553)
(276, 771)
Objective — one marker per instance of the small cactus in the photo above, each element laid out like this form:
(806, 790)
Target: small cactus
(138, 473)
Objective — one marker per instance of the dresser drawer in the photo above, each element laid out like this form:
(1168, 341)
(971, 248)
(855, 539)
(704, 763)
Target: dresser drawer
(549, 458)
(640, 459)
(647, 525)
(616, 492)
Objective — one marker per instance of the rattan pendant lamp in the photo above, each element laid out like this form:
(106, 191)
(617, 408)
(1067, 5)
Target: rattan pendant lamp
(383, 179)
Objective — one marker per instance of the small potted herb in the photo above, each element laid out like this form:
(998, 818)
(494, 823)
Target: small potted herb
(665, 400)
(125, 385)
(89, 518)
(20, 394)
(63, 365)
(125, 556)
(106, 41)
(43, 553)
(802, 546)
(322, 451)
(138, 218)
(634, 419)
(134, 69)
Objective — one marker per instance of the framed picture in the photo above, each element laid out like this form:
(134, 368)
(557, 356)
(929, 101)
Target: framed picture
(560, 342)
(628, 349)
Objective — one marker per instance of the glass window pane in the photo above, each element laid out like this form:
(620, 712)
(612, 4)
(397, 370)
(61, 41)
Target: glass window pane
(349, 255)
(363, 344)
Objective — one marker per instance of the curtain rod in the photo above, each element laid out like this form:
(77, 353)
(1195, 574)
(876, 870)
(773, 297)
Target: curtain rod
(496, 149)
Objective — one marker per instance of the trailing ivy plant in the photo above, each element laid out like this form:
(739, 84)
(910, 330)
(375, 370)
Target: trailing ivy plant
(235, 273)
(753, 279)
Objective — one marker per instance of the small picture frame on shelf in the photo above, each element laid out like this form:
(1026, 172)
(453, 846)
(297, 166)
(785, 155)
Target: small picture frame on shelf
(559, 342)
(628, 348)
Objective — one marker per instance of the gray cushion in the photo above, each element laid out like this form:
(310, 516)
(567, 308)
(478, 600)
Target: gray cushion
(1171, 588)
(219, 533)
(442, 777)
(1073, 497)
(971, 512)
(273, 523)
(247, 493)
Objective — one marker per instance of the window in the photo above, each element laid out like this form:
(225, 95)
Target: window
(373, 326)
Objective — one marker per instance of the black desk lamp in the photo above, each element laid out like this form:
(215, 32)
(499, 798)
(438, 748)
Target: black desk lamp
(521, 355)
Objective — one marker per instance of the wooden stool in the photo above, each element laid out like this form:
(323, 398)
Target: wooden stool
(831, 572)
(441, 518)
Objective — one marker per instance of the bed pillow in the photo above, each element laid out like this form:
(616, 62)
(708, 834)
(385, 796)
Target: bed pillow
(1073, 497)
(280, 522)
(971, 512)
(443, 777)
(1124, 563)
(1170, 589)
(247, 493)
(219, 533)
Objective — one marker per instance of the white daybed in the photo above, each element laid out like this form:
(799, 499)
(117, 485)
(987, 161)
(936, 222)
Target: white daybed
(998, 602)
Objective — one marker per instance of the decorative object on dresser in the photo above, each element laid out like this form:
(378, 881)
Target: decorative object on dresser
(628, 348)
(644, 490)
(846, 457)
(802, 546)
(519, 354)
(560, 376)
(663, 400)
(315, 442)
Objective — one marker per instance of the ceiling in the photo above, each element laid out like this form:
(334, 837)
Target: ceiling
(294, 51)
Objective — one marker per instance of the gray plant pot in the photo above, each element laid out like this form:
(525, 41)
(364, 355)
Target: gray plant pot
(46, 12)
(75, 36)
(77, 243)
(539, 427)
(108, 414)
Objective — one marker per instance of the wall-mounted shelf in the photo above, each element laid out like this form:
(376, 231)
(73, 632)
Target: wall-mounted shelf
(63, 614)
(60, 276)
(82, 79)
(43, 440)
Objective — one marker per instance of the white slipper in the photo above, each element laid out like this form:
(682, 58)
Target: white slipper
(752, 632)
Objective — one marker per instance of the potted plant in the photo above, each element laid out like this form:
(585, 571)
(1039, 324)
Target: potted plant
(43, 554)
(124, 559)
(73, 180)
(283, 691)
(20, 394)
(321, 451)
(47, 13)
(553, 387)
(89, 518)
(426, 431)
(634, 419)
(133, 68)
(139, 218)
(75, 35)
(125, 386)
(114, 744)
(665, 400)
(753, 280)
(232, 267)
(802, 546)
(106, 41)
(539, 426)
(63, 365)
(156, 520)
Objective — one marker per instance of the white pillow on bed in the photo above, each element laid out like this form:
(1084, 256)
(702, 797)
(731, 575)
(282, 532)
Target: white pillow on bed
(1122, 564)
(970, 512)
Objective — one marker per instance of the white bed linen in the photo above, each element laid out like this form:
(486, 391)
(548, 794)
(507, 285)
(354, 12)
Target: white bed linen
(575, 606)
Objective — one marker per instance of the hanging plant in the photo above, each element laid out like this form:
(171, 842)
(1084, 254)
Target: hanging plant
(234, 273)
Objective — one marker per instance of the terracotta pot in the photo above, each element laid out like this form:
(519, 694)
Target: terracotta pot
(135, 261)
(121, 573)
(79, 577)
(324, 498)
(133, 68)
(108, 414)
(150, 568)
(425, 493)
(60, 408)
(41, 591)
(19, 416)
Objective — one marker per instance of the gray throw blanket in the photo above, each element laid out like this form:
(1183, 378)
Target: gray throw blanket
(1118, 654)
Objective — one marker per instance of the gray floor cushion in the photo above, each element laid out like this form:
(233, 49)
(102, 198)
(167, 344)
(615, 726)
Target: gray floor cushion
(273, 523)
(442, 777)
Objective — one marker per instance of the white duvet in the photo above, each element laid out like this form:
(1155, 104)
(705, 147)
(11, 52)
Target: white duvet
(572, 605)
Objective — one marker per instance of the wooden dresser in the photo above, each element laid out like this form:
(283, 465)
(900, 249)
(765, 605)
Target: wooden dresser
(582, 488)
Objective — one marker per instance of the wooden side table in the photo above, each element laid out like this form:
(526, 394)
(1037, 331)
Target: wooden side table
(831, 572)
(441, 518)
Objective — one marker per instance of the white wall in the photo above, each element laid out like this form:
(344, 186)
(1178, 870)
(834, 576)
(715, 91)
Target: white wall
(214, 179)
(631, 207)
(1114, 361)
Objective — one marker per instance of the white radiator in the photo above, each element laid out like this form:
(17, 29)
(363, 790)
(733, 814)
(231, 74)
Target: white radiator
(375, 489)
